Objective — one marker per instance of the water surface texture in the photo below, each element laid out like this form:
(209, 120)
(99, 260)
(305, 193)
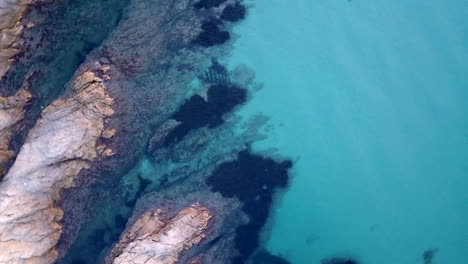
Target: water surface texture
(370, 97)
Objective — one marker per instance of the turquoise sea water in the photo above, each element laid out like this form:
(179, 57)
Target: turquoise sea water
(370, 98)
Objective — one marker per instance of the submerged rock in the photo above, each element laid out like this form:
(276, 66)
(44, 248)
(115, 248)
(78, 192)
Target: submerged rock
(29, 220)
(160, 135)
(428, 255)
(153, 239)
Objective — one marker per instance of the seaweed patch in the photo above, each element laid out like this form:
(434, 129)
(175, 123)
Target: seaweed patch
(211, 35)
(338, 261)
(208, 3)
(265, 257)
(196, 112)
(234, 12)
(253, 179)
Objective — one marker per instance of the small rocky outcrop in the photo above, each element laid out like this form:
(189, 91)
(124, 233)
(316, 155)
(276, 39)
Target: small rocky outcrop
(29, 220)
(153, 239)
(11, 112)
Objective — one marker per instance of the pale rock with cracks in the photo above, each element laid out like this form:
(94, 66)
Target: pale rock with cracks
(152, 240)
(62, 143)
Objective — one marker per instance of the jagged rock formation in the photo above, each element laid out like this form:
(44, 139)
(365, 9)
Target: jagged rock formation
(11, 13)
(29, 220)
(11, 112)
(152, 239)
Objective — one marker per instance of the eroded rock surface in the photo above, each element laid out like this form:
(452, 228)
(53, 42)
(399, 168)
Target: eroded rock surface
(153, 240)
(60, 145)
(11, 13)
(11, 112)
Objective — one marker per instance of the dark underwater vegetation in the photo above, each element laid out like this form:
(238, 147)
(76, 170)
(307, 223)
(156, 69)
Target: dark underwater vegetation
(208, 3)
(211, 34)
(198, 112)
(265, 257)
(339, 261)
(234, 12)
(253, 179)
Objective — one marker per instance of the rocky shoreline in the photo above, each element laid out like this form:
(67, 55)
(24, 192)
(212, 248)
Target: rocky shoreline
(33, 184)
(69, 166)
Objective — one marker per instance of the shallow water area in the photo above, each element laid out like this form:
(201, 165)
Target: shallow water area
(370, 98)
